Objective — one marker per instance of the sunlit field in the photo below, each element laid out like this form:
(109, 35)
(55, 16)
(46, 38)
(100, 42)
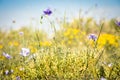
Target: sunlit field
(80, 50)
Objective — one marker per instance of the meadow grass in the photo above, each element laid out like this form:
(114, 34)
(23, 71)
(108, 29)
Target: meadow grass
(69, 55)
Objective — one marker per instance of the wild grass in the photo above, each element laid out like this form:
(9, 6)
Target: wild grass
(69, 55)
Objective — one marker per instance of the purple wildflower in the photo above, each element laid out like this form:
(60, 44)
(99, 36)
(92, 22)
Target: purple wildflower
(6, 72)
(21, 33)
(93, 37)
(25, 52)
(117, 23)
(18, 78)
(102, 78)
(47, 12)
(7, 55)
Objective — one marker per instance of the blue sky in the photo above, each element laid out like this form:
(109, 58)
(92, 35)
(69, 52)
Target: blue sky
(23, 11)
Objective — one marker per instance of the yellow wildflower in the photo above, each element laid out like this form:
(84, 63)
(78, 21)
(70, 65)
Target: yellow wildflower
(66, 33)
(45, 43)
(32, 49)
(71, 37)
(69, 42)
(15, 43)
(76, 31)
(2, 57)
(10, 43)
(1, 46)
(108, 39)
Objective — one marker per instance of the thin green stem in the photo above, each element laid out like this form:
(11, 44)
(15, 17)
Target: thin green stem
(99, 35)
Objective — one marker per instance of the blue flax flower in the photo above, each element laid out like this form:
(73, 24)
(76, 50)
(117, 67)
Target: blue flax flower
(18, 78)
(93, 37)
(47, 12)
(117, 23)
(7, 55)
(25, 52)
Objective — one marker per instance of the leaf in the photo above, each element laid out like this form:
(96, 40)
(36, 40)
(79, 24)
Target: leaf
(41, 17)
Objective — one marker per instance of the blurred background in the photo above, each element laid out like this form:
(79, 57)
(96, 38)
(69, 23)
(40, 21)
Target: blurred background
(59, 39)
(18, 13)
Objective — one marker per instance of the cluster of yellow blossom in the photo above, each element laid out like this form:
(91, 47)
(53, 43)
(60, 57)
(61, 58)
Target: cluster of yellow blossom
(33, 45)
(72, 36)
(71, 33)
(108, 39)
(13, 43)
(45, 43)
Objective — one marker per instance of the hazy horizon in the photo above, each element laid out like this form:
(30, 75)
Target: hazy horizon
(26, 12)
